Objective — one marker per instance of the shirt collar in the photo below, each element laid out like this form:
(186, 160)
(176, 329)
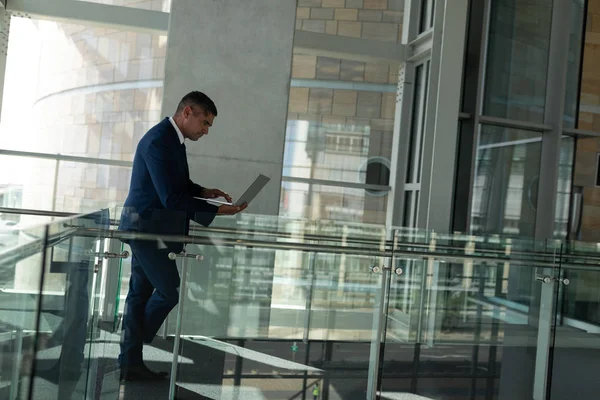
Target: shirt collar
(181, 138)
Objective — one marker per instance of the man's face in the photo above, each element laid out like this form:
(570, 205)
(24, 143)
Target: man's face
(196, 122)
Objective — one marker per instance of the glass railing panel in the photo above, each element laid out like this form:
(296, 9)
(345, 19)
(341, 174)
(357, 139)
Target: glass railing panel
(20, 277)
(297, 229)
(11, 224)
(297, 314)
(67, 359)
(412, 241)
(152, 291)
(466, 316)
(275, 229)
(576, 345)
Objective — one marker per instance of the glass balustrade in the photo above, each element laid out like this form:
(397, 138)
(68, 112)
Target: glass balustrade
(270, 307)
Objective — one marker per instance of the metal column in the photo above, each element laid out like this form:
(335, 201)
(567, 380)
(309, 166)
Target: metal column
(546, 203)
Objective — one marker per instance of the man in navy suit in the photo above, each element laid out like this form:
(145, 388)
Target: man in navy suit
(162, 199)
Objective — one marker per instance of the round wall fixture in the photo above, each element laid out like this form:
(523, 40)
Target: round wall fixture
(378, 173)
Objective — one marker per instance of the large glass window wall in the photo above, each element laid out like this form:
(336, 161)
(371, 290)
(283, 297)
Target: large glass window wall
(105, 92)
(514, 119)
(85, 111)
(517, 60)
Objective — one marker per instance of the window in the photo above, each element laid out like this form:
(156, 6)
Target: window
(517, 63)
(94, 101)
(506, 182)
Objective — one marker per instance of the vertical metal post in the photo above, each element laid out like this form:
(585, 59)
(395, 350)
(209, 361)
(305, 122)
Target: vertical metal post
(378, 324)
(239, 361)
(308, 300)
(544, 337)
(14, 383)
(554, 115)
(165, 328)
(111, 283)
(546, 204)
(473, 91)
(479, 322)
(176, 343)
(440, 134)
(308, 305)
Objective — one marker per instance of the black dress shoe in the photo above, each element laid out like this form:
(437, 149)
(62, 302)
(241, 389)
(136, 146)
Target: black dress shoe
(140, 373)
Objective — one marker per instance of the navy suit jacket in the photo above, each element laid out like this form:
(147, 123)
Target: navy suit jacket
(161, 194)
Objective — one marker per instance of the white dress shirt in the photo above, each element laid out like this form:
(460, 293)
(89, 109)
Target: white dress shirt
(181, 138)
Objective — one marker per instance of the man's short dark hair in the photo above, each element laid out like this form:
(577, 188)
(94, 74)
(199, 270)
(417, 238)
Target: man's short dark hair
(199, 100)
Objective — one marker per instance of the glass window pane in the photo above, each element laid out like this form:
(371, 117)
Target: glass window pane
(415, 147)
(83, 187)
(424, 23)
(408, 209)
(574, 63)
(340, 128)
(506, 182)
(96, 99)
(426, 15)
(314, 201)
(337, 152)
(30, 182)
(589, 98)
(419, 155)
(564, 187)
(585, 205)
(517, 61)
(416, 126)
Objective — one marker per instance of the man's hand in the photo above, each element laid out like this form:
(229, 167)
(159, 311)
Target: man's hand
(214, 194)
(231, 210)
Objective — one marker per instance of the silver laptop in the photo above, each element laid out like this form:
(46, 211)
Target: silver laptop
(249, 195)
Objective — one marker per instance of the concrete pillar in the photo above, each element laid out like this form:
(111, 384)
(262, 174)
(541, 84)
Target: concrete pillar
(240, 54)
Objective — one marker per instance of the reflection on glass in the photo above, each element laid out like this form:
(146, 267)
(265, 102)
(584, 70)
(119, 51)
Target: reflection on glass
(460, 318)
(71, 101)
(77, 187)
(564, 187)
(82, 187)
(314, 201)
(518, 59)
(576, 350)
(30, 182)
(333, 152)
(506, 182)
(417, 129)
(588, 117)
(19, 299)
(75, 108)
(425, 21)
(239, 297)
(574, 63)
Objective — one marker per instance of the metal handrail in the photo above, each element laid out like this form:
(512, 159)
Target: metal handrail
(18, 253)
(39, 213)
(281, 235)
(304, 236)
(407, 249)
(309, 247)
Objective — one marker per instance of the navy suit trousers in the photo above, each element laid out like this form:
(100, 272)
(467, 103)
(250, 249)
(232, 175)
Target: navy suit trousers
(153, 293)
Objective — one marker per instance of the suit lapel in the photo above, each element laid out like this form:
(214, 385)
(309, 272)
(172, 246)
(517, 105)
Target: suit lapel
(172, 135)
(185, 162)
